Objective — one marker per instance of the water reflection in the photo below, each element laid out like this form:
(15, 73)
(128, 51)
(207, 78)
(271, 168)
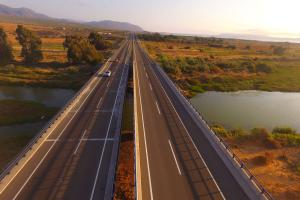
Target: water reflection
(49, 97)
(249, 109)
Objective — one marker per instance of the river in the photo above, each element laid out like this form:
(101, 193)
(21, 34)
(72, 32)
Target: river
(249, 109)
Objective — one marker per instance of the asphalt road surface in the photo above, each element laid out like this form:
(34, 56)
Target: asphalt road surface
(75, 161)
(175, 160)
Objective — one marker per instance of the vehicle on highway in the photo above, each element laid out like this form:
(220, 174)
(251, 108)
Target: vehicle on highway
(107, 74)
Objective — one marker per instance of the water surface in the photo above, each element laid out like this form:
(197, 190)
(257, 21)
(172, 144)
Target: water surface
(249, 109)
(49, 97)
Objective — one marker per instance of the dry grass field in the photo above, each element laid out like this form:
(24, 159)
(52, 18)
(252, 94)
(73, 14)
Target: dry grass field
(274, 158)
(273, 168)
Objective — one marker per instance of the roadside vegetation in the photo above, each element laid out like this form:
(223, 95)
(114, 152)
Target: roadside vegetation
(198, 64)
(272, 156)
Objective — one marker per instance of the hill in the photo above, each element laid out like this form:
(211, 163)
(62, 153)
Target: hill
(21, 12)
(25, 13)
(113, 25)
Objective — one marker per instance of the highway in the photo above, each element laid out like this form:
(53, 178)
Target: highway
(76, 157)
(176, 155)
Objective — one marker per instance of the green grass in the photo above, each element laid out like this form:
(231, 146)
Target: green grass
(18, 112)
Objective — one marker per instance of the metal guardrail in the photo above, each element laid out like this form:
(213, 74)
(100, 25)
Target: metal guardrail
(238, 161)
(44, 130)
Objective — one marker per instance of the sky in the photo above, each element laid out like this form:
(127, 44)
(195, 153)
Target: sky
(274, 18)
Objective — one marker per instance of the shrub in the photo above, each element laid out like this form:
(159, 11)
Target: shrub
(202, 67)
(215, 69)
(220, 131)
(262, 67)
(272, 143)
(232, 47)
(260, 133)
(263, 159)
(238, 132)
(259, 160)
(284, 130)
(278, 50)
(250, 66)
(197, 88)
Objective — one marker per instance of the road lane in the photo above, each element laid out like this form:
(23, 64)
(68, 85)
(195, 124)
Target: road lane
(161, 128)
(50, 173)
(225, 173)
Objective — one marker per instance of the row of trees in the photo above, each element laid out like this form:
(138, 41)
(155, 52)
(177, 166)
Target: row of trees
(81, 50)
(188, 65)
(30, 43)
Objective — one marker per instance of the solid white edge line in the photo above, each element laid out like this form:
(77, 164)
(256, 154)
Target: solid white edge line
(105, 141)
(79, 142)
(97, 139)
(98, 105)
(150, 86)
(157, 107)
(145, 137)
(175, 157)
(139, 195)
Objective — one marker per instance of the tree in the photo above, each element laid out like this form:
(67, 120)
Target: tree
(31, 45)
(98, 41)
(250, 66)
(6, 55)
(80, 50)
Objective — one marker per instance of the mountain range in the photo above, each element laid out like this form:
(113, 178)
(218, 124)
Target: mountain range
(31, 14)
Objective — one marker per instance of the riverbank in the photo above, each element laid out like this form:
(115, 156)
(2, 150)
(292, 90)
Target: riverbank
(14, 113)
(273, 157)
(47, 75)
(19, 112)
(227, 65)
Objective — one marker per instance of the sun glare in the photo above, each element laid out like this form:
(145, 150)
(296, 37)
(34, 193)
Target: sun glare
(281, 17)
